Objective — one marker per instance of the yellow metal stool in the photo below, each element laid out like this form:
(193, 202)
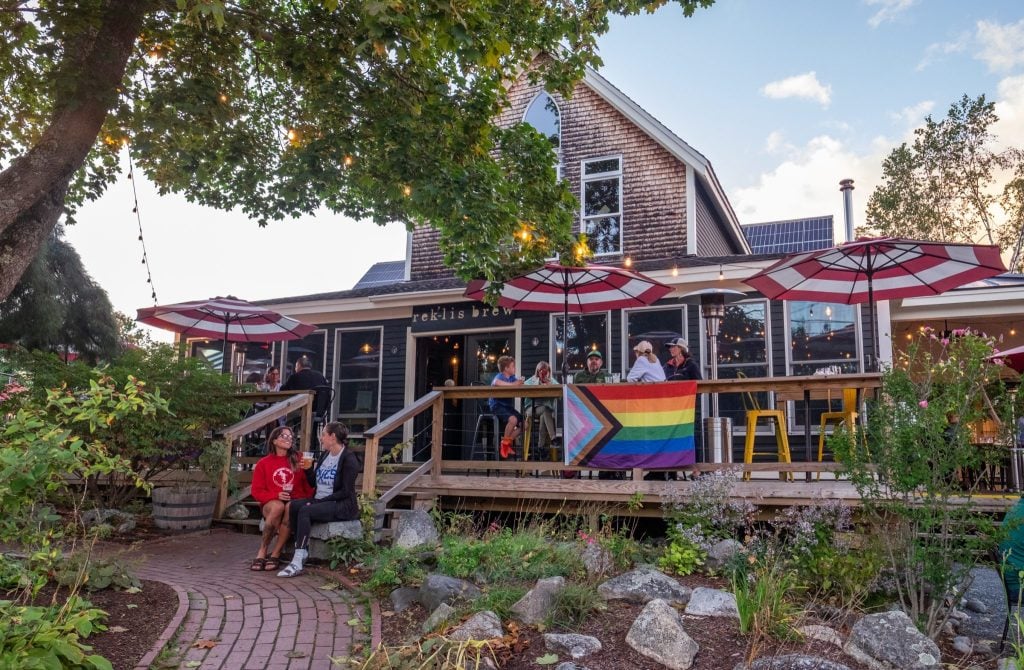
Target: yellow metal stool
(848, 416)
(754, 414)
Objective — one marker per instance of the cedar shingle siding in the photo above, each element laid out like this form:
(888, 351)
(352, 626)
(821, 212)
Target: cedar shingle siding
(710, 240)
(653, 181)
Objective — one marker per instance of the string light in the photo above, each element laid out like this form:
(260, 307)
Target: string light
(675, 271)
(138, 220)
(627, 262)
(407, 190)
(721, 274)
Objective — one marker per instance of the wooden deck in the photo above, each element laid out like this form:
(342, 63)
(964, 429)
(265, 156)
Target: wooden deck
(538, 486)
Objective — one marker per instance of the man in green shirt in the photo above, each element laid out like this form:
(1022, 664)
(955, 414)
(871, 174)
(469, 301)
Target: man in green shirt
(593, 374)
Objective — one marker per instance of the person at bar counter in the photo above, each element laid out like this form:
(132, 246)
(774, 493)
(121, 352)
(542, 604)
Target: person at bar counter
(304, 378)
(334, 500)
(681, 365)
(504, 408)
(593, 374)
(542, 408)
(275, 480)
(647, 368)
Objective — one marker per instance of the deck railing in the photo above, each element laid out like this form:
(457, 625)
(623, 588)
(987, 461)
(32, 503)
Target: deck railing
(791, 388)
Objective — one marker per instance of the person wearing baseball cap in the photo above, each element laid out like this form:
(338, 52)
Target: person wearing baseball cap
(681, 365)
(593, 374)
(647, 368)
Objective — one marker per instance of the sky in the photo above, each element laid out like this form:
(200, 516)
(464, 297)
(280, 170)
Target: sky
(784, 98)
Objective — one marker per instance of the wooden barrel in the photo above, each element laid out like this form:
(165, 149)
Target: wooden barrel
(183, 509)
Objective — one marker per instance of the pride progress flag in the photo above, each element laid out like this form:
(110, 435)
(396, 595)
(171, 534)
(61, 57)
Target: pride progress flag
(622, 426)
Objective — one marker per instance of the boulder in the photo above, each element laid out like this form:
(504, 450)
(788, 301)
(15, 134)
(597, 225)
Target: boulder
(721, 553)
(658, 634)
(712, 602)
(319, 533)
(643, 585)
(481, 626)
(792, 662)
(963, 645)
(437, 589)
(120, 522)
(443, 613)
(596, 559)
(535, 606)
(569, 665)
(890, 641)
(821, 634)
(237, 512)
(985, 605)
(572, 644)
(402, 597)
(415, 529)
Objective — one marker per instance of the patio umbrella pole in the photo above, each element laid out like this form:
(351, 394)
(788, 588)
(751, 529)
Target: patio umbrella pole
(224, 366)
(874, 327)
(565, 329)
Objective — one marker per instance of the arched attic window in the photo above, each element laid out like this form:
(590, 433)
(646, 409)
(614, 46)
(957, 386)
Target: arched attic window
(543, 114)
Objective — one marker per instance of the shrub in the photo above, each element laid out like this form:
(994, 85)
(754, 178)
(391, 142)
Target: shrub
(50, 637)
(763, 587)
(507, 555)
(96, 572)
(905, 469)
(683, 555)
(392, 567)
(704, 515)
(574, 604)
(499, 599)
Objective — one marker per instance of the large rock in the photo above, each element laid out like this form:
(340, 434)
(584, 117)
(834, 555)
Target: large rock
(319, 533)
(402, 597)
(792, 662)
(821, 634)
(985, 622)
(481, 626)
(120, 522)
(535, 606)
(721, 553)
(437, 589)
(890, 641)
(442, 614)
(643, 585)
(572, 644)
(712, 602)
(596, 559)
(658, 634)
(415, 529)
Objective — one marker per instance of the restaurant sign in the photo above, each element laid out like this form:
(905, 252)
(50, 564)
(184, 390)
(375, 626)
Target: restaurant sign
(460, 316)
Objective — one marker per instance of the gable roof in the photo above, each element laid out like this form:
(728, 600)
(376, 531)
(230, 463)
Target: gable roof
(697, 163)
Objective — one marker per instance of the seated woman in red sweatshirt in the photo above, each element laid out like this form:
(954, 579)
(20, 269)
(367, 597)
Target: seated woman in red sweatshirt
(276, 480)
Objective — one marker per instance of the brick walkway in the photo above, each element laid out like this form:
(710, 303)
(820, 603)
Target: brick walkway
(257, 619)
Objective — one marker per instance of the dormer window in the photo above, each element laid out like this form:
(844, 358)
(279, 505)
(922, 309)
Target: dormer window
(601, 218)
(544, 116)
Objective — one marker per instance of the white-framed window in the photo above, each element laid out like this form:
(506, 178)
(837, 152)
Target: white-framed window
(743, 351)
(657, 325)
(543, 114)
(601, 204)
(821, 335)
(357, 377)
(587, 332)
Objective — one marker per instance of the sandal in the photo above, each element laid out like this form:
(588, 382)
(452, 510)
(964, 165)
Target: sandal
(258, 565)
(272, 563)
(290, 570)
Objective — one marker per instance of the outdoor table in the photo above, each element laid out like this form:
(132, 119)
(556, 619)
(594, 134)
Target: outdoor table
(805, 387)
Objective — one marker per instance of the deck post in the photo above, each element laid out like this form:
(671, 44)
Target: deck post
(305, 440)
(436, 436)
(222, 483)
(370, 466)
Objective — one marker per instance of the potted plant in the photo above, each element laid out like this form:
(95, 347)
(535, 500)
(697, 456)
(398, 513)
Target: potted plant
(189, 504)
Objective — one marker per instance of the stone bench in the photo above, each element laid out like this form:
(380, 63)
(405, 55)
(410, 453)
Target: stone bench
(320, 533)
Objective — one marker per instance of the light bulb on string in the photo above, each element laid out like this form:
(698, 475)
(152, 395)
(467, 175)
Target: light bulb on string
(721, 273)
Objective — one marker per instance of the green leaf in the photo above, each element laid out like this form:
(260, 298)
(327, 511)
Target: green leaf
(546, 659)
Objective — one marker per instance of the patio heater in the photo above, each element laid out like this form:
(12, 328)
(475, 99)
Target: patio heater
(717, 430)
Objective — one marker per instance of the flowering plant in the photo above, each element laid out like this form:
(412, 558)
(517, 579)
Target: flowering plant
(912, 464)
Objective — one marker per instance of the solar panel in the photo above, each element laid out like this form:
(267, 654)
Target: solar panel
(385, 272)
(787, 237)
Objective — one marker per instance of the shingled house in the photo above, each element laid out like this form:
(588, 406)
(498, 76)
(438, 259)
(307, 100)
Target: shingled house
(646, 196)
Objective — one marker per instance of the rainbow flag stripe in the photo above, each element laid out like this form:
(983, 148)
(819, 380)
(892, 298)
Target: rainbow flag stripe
(630, 425)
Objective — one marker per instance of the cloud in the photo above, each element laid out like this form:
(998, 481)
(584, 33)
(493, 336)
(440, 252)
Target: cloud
(1010, 110)
(913, 116)
(889, 10)
(799, 86)
(933, 53)
(774, 142)
(1001, 46)
(806, 183)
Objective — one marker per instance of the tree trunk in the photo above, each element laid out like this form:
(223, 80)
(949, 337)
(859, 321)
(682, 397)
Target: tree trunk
(34, 186)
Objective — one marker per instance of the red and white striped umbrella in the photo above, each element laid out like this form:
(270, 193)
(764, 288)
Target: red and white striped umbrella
(882, 268)
(574, 290)
(229, 319)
